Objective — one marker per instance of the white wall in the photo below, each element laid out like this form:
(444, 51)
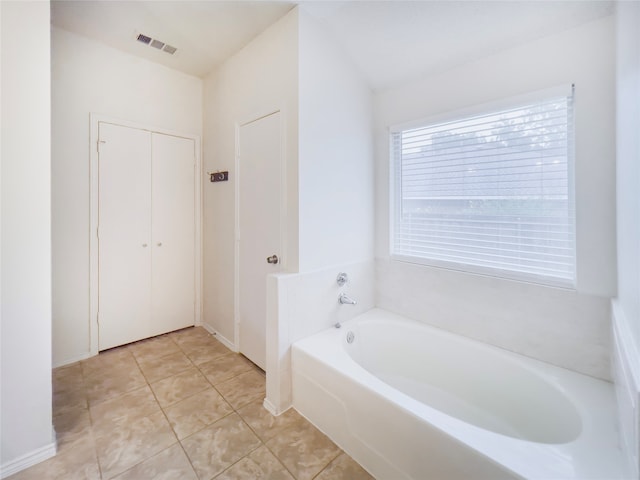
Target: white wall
(25, 399)
(336, 167)
(626, 308)
(628, 163)
(576, 323)
(90, 77)
(259, 79)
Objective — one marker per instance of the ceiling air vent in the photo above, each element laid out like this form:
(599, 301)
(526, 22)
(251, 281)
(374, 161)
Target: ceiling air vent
(169, 49)
(157, 44)
(144, 39)
(152, 42)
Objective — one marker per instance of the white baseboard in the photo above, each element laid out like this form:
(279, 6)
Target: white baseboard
(227, 343)
(28, 460)
(69, 361)
(626, 374)
(272, 409)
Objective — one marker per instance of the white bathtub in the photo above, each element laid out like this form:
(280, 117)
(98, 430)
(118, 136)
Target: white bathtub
(409, 401)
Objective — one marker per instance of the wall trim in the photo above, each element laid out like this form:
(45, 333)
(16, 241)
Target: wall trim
(28, 460)
(626, 373)
(273, 410)
(75, 359)
(224, 340)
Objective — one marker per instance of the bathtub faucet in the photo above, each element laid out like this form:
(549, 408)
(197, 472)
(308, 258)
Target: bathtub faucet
(345, 300)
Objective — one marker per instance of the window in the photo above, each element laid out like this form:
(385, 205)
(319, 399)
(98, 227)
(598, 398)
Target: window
(489, 193)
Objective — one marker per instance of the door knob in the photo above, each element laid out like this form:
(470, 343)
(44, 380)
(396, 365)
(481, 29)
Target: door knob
(272, 259)
(144, 245)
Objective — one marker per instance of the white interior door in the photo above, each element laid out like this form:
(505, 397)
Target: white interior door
(173, 233)
(260, 228)
(124, 242)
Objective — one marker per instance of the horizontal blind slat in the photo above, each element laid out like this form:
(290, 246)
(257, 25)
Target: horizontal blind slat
(499, 259)
(453, 242)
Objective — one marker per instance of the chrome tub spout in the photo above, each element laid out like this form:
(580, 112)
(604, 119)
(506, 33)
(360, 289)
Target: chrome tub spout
(345, 300)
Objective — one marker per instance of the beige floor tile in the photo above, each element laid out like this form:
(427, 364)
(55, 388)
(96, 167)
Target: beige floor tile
(68, 400)
(67, 378)
(170, 464)
(79, 463)
(183, 385)
(305, 451)
(243, 389)
(111, 384)
(164, 367)
(107, 361)
(258, 465)
(154, 348)
(135, 404)
(267, 426)
(344, 468)
(225, 367)
(190, 335)
(71, 428)
(107, 415)
(112, 365)
(196, 412)
(131, 442)
(205, 351)
(218, 446)
(73, 369)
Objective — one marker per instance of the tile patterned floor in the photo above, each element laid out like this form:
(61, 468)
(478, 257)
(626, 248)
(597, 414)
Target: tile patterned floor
(179, 406)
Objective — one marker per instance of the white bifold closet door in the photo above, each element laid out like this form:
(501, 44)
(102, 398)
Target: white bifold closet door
(146, 234)
(173, 233)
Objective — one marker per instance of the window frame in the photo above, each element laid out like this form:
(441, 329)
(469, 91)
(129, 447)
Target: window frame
(395, 202)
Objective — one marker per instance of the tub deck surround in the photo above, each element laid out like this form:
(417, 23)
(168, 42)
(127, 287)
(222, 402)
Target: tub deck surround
(563, 327)
(485, 412)
(303, 304)
(626, 374)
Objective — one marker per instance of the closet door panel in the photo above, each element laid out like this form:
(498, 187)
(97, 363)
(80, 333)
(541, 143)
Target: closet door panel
(173, 233)
(124, 239)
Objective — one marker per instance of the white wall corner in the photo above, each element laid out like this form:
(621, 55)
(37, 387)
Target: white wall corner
(626, 374)
(29, 459)
(279, 397)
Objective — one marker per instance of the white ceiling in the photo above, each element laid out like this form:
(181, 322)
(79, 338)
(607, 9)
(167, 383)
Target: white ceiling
(205, 33)
(390, 41)
(393, 41)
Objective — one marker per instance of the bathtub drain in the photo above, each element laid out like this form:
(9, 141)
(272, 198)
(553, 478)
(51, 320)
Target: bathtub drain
(350, 337)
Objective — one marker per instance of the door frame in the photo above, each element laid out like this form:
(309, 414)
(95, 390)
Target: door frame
(282, 257)
(95, 119)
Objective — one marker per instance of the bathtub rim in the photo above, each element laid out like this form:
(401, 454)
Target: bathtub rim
(587, 394)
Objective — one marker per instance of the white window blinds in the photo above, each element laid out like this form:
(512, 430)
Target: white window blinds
(491, 193)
